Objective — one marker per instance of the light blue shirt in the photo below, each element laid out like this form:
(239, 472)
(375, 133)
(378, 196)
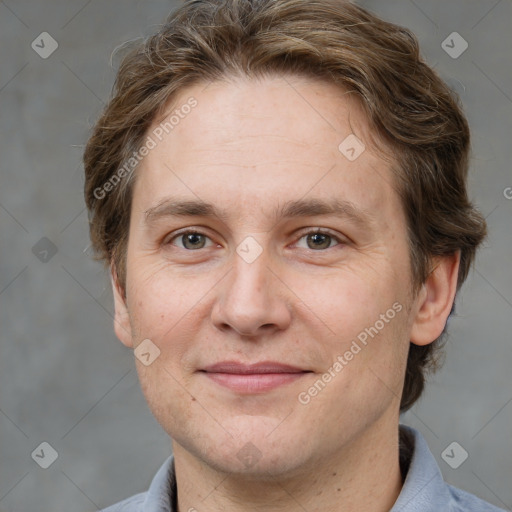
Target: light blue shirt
(424, 489)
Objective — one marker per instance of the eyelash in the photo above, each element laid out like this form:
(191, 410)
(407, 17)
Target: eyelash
(317, 231)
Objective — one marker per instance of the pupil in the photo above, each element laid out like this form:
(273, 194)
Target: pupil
(319, 238)
(193, 239)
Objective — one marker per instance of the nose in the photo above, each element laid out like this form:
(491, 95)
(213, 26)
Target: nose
(251, 300)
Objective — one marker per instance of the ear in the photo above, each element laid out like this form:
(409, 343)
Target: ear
(121, 316)
(435, 300)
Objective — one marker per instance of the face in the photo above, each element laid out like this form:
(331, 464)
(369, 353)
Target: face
(271, 269)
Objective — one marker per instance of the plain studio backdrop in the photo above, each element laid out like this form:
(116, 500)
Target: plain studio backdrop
(67, 381)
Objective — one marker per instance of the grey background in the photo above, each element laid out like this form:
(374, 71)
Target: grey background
(64, 377)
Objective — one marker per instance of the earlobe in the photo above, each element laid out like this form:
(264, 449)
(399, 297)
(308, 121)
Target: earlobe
(121, 316)
(435, 300)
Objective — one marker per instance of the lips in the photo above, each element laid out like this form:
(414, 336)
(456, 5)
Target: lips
(252, 378)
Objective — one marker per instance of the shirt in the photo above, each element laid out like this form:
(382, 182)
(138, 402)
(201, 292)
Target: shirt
(424, 489)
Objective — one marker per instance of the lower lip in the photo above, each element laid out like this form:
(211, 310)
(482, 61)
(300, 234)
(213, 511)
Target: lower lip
(255, 382)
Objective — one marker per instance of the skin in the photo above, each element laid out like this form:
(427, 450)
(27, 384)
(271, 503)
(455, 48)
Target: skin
(249, 147)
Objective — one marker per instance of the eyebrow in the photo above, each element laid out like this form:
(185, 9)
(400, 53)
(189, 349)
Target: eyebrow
(173, 207)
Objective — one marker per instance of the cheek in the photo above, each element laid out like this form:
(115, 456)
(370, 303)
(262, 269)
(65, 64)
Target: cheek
(155, 297)
(169, 309)
(348, 301)
(368, 323)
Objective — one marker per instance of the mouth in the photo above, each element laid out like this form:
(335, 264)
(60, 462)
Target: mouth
(252, 378)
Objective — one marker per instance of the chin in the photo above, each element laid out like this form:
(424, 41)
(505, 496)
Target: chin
(255, 465)
(251, 447)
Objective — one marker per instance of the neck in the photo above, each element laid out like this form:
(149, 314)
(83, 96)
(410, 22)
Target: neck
(364, 476)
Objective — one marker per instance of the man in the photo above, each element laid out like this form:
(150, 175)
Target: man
(279, 188)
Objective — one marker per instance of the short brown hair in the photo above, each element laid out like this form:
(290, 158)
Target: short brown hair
(411, 111)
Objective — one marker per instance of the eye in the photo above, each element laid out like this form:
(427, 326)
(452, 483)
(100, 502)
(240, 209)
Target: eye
(190, 240)
(319, 239)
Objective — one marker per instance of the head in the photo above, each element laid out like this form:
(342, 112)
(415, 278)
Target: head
(247, 106)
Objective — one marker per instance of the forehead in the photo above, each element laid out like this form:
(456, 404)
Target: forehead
(251, 143)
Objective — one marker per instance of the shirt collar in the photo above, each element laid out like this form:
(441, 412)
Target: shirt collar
(162, 493)
(424, 487)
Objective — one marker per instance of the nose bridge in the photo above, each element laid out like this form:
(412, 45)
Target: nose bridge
(250, 299)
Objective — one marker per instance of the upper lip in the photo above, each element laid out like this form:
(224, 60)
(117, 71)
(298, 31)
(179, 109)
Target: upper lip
(238, 368)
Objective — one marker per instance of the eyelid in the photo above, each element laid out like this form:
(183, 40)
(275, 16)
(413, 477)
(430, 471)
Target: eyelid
(167, 239)
(341, 240)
